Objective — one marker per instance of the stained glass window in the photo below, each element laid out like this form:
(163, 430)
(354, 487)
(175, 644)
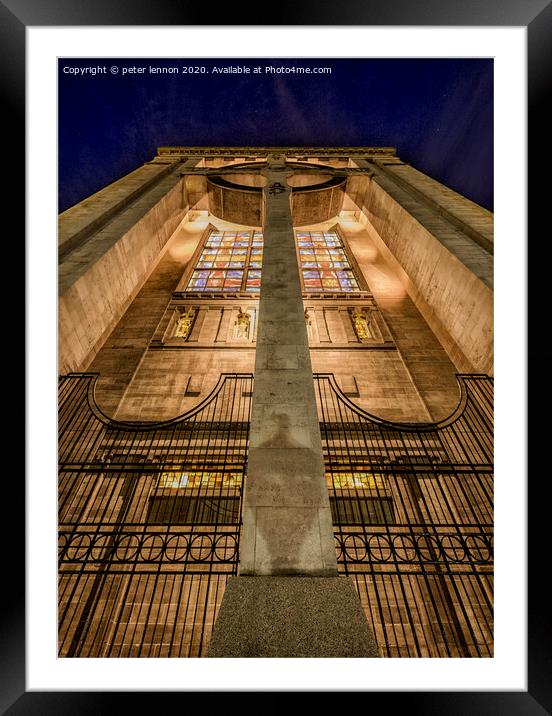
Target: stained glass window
(324, 263)
(229, 262)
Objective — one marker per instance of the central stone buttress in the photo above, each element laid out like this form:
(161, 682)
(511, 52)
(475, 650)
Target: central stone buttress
(288, 600)
(287, 524)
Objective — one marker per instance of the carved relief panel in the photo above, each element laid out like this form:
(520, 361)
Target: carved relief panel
(346, 322)
(367, 323)
(215, 323)
(332, 322)
(184, 322)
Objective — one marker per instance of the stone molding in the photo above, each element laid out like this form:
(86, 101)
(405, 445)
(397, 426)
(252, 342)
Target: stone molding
(263, 151)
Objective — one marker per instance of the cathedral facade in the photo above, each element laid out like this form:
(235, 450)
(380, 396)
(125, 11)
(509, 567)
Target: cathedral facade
(275, 386)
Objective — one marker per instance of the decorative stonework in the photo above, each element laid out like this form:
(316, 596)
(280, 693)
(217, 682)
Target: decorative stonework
(310, 327)
(251, 152)
(361, 323)
(335, 321)
(184, 323)
(242, 326)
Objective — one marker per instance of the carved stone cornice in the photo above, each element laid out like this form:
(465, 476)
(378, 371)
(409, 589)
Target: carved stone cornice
(264, 151)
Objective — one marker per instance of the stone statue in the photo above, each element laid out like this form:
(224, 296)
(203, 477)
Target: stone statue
(361, 324)
(242, 325)
(308, 321)
(184, 323)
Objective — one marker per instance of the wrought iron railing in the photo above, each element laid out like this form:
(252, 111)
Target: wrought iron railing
(149, 522)
(413, 517)
(150, 514)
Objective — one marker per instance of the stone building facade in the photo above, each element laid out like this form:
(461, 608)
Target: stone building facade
(208, 265)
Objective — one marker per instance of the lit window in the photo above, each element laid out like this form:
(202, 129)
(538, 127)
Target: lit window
(198, 478)
(229, 262)
(324, 265)
(350, 480)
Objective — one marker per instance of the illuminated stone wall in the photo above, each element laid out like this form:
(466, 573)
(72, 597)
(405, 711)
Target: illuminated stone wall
(120, 300)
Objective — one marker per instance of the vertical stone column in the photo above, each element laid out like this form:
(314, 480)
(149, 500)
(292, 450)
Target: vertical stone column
(288, 600)
(287, 525)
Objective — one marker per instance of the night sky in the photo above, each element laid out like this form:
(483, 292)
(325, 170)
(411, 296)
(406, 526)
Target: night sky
(437, 112)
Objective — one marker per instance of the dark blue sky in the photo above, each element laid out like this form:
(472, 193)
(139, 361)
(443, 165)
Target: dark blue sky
(437, 112)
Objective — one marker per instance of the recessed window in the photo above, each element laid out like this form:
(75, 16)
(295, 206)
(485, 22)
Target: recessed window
(324, 265)
(231, 262)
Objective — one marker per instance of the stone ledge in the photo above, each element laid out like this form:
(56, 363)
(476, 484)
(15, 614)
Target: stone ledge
(291, 617)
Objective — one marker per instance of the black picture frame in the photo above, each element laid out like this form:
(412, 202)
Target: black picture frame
(536, 16)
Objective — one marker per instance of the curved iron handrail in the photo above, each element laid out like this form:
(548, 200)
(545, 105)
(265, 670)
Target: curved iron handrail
(456, 413)
(146, 424)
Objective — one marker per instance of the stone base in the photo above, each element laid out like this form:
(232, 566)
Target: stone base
(291, 617)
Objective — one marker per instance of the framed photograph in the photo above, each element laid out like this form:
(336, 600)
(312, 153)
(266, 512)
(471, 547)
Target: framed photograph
(107, 156)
